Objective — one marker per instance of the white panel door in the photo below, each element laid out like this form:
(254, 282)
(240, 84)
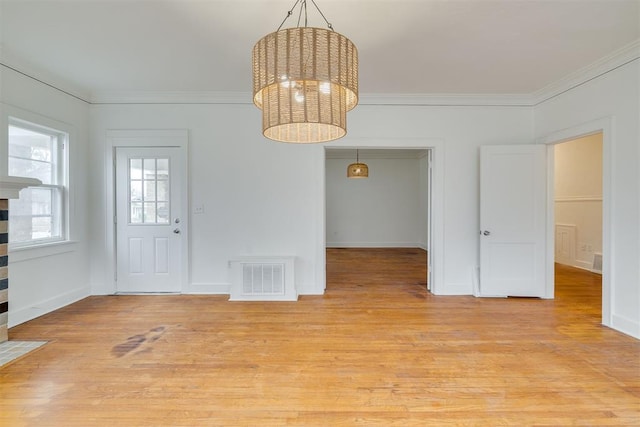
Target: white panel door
(148, 226)
(512, 220)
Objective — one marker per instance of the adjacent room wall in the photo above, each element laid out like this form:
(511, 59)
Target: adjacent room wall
(46, 279)
(578, 200)
(614, 98)
(380, 211)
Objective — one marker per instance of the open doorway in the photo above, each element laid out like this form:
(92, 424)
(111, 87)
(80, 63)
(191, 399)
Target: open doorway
(578, 212)
(384, 216)
(578, 202)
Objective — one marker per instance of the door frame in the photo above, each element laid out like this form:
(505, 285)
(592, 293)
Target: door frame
(435, 208)
(129, 138)
(604, 126)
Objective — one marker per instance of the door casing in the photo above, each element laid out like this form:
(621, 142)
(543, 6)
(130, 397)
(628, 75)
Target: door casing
(178, 138)
(604, 126)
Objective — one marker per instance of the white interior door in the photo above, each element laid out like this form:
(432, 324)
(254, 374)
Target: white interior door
(512, 220)
(149, 183)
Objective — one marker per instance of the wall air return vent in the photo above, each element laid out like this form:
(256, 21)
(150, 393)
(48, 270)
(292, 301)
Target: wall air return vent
(263, 279)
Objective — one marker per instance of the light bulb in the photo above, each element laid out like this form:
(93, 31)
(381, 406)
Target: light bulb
(325, 87)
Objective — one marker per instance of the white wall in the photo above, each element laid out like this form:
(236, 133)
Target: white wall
(258, 196)
(42, 280)
(266, 198)
(611, 98)
(380, 211)
(578, 197)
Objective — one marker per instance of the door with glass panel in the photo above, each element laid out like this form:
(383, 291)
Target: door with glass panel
(148, 219)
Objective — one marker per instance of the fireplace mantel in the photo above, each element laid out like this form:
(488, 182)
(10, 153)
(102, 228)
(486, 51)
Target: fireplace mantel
(10, 186)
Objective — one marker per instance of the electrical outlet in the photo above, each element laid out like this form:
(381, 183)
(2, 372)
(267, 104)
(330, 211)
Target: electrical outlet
(198, 209)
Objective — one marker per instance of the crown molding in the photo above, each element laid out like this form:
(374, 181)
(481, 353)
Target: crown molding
(455, 100)
(170, 97)
(606, 64)
(620, 57)
(176, 97)
(14, 62)
(616, 59)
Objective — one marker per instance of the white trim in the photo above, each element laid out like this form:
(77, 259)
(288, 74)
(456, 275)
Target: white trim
(25, 253)
(578, 199)
(17, 64)
(608, 63)
(618, 58)
(625, 325)
(142, 138)
(457, 99)
(455, 289)
(37, 309)
(583, 265)
(171, 97)
(606, 126)
(212, 97)
(207, 289)
(374, 245)
(10, 113)
(321, 252)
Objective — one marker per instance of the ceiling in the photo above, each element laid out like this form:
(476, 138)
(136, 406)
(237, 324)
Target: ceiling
(405, 46)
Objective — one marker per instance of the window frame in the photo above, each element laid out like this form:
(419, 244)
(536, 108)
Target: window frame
(60, 189)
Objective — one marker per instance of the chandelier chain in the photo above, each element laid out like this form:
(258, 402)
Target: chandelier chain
(303, 5)
(322, 14)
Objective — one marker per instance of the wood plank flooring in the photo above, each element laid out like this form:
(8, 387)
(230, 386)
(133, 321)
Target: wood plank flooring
(376, 350)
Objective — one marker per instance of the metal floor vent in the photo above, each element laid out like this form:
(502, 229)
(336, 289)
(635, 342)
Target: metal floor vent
(263, 279)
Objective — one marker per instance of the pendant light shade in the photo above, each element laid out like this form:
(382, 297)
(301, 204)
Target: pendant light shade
(305, 79)
(357, 169)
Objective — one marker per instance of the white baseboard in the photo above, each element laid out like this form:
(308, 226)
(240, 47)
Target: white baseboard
(582, 265)
(456, 289)
(40, 308)
(626, 326)
(374, 245)
(207, 289)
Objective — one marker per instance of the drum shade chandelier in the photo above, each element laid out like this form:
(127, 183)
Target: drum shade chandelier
(305, 79)
(357, 169)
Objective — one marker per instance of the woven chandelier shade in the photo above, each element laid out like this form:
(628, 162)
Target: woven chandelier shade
(358, 170)
(305, 79)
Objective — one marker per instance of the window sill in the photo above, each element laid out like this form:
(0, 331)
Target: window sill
(44, 250)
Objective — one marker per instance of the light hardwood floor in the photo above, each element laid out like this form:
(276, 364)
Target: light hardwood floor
(376, 349)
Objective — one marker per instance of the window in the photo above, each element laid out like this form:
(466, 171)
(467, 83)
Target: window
(149, 191)
(39, 216)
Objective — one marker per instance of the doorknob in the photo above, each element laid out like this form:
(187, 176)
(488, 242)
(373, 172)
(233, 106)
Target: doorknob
(486, 232)
(177, 231)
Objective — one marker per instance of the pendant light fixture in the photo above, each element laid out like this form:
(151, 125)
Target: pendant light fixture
(305, 79)
(357, 169)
